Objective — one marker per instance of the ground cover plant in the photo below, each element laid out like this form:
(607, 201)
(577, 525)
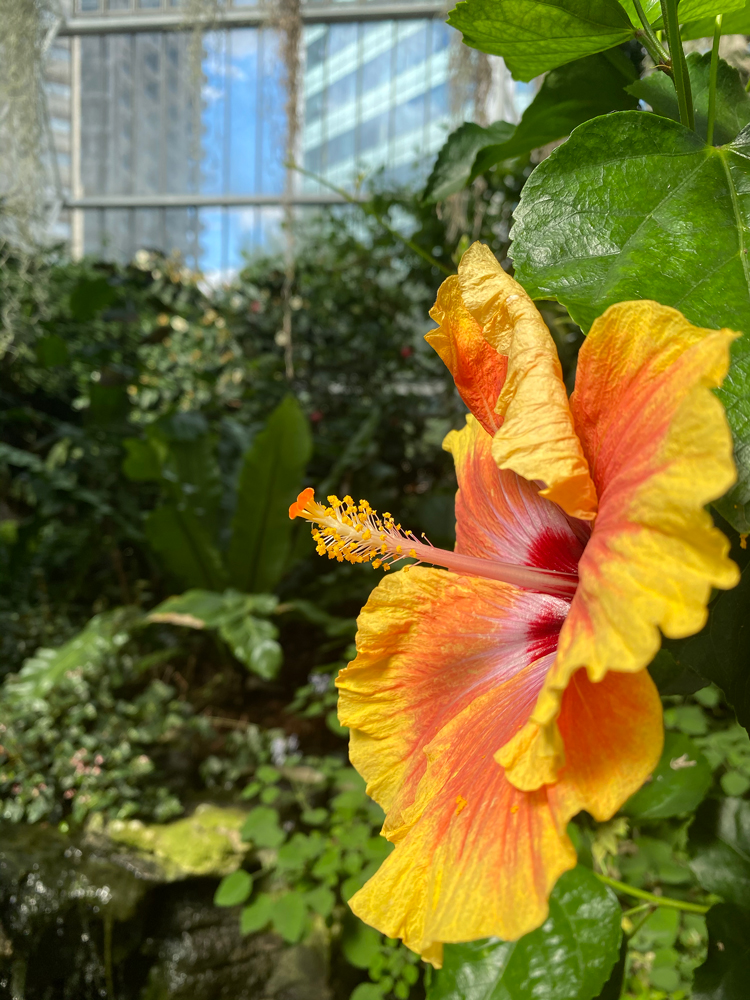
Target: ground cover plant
(170, 637)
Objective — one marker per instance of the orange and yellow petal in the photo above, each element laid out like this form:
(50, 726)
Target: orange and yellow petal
(537, 437)
(613, 735)
(481, 858)
(500, 515)
(659, 448)
(447, 669)
(477, 369)
(429, 643)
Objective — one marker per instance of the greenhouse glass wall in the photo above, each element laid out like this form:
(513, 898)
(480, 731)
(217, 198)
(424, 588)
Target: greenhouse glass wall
(175, 141)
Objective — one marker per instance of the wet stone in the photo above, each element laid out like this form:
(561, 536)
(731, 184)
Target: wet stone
(94, 917)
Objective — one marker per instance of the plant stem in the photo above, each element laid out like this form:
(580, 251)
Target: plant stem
(679, 64)
(368, 209)
(712, 81)
(648, 36)
(672, 904)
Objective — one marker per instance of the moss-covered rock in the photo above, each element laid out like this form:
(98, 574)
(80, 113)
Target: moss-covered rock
(127, 910)
(207, 842)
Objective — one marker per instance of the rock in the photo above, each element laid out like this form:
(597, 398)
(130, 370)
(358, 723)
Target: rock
(199, 954)
(207, 842)
(126, 910)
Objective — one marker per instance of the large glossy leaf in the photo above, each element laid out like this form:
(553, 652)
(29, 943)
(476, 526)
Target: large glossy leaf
(239, 618)
(571, 955)
(99, 637)
(270, 479)
(651, 8)
(190, 468)
(690, 10)
(198, 608)
(736, 21)
(721, 651)
(720, 845)
(672, 677)
(732, 102)
(677, 786)
(452, 169)
(724, 974)
(612, 989)
(186, 548)
(568, 96)
(635, 206)
(534, 36)
(180, 454)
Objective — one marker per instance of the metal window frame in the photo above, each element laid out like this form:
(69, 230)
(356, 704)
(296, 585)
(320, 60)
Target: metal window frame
(311, 13)
(78, 25)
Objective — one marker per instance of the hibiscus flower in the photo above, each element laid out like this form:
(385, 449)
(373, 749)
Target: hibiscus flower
(491, 703)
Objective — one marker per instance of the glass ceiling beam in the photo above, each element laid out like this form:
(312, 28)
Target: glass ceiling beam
(201, 200)
(311, 13)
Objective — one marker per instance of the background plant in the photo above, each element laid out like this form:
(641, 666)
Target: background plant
(168, 634)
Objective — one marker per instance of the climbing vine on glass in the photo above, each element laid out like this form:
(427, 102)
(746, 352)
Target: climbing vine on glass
(500, 710)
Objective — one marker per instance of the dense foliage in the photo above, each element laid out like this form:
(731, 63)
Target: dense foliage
(167, 634)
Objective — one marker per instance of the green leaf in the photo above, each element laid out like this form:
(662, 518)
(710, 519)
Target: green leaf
(723, 976)
(359, 943)
(732, 103)
(734, 783)
(735, 22)
(314, 817)
(270, 479)
(570, 955)
(253, 642)
(653, 861)
(568, 96)
(191, 473)
(452, 169)
(102, 635)
(691, 10)
(257, 914)
(251, 639)
(673, 678)
(142, 462)
(612, 989)
(677, 786)
(289, 916)
(187, 549)
(52, 350)
(200, 608)
(234, 889)
(368, 991)
(321, 900)
(262, 828)
(720, 845)
(651, 8)
(720, 652)
(90, 296)
(659, 930)
(634, 206)
(99, 637)
(534, 36)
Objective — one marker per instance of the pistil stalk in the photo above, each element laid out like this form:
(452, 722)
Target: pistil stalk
(350, 532)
